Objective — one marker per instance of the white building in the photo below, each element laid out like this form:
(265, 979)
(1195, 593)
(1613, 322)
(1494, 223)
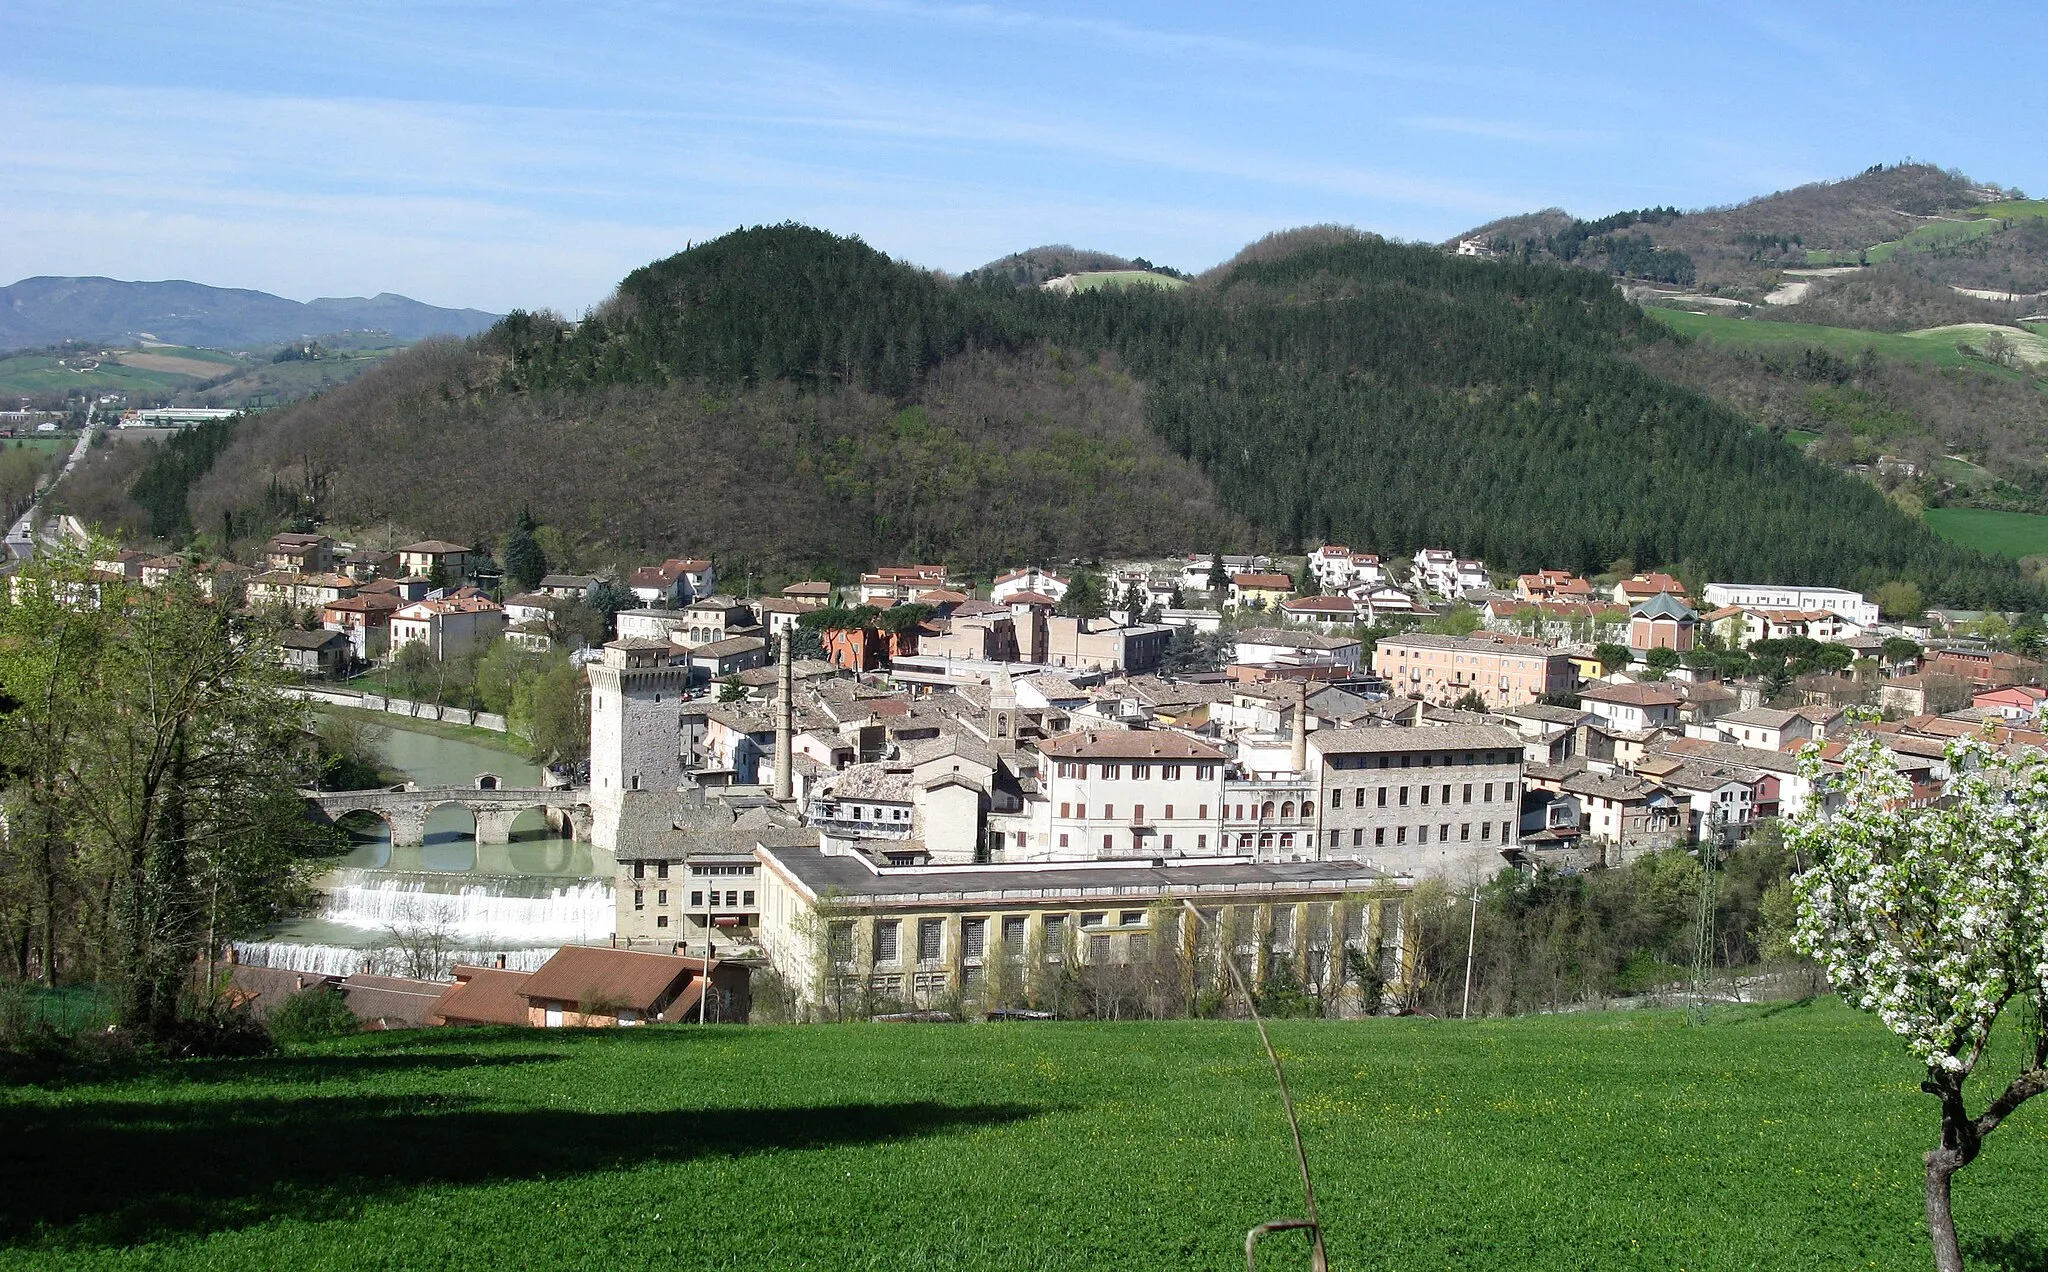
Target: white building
(449, 627)
(1132, 793)
(1338, 568)
(1443, 572)
(1850, 605)
(1031, 579)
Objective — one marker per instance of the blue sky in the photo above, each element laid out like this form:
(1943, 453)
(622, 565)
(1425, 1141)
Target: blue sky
(501, 155)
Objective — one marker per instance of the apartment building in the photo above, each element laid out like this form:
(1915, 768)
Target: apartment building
(1132, 793)
(1505, 671)
(1428, 799)
(1850, 605)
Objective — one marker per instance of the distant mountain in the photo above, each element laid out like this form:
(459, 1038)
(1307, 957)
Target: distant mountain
(838, 409)
(1929, 246)
(44, 311)
(1036, 265)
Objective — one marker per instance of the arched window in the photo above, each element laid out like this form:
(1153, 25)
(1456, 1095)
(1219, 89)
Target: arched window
(1308, 808)
(1267, 809)
(1287, 809)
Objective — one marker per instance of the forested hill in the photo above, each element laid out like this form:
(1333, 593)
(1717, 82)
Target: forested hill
(797, 399)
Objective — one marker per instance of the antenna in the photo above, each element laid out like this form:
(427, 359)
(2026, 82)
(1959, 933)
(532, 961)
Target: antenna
(1318, 1260)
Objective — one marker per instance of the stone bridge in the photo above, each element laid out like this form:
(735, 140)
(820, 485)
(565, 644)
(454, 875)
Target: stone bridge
(405, 808)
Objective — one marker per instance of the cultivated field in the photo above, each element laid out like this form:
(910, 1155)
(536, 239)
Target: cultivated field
(1936, 345)
(1784, 1137)
(1114, 278)
(2006, 534)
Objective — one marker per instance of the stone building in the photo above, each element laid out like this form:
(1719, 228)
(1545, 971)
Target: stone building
(636, 702)
(839, 927)
(1431, 799)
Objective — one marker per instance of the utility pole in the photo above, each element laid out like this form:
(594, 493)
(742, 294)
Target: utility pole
(1703, 947)
(1471, 944)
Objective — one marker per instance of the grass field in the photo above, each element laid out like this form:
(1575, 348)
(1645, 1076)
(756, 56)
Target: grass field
(1126, 278)
(2006, 534)
(1782, 1137)
(1936, 346)
(1801, 438)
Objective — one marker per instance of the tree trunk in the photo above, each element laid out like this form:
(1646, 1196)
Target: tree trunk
(1942, 1164)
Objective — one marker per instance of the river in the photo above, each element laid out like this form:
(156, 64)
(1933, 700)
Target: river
(418, 911)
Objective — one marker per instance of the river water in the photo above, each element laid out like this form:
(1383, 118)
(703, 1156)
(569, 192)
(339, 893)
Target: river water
(418, 911)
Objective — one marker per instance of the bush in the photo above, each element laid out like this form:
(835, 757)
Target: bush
(313, 1014)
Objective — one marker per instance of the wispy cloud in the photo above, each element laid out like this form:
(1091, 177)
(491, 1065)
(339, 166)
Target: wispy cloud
(1508, 130)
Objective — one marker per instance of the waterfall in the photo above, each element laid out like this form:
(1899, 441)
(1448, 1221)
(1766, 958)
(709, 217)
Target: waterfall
(470, 910)
(387, 960)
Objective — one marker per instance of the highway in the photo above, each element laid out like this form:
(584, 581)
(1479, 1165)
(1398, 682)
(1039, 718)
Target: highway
(21, 540)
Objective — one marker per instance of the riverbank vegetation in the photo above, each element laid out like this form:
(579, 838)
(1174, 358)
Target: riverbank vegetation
(151, 787)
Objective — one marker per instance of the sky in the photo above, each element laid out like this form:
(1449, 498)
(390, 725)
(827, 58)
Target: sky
(528, 155)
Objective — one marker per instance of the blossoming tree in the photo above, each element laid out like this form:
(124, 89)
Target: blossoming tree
(1936, 918)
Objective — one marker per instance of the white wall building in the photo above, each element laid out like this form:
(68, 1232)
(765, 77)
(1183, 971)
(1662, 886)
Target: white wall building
(1132, 792)
(1850, 605)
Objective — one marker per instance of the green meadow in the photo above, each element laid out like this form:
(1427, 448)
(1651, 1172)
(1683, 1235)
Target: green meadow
(2005, 534)
(1770, 1137)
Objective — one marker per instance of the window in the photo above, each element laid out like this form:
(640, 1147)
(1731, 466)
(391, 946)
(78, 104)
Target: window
(661, 920)
(1244, 840)
(747, 899)
(1013, 935)
(1107, 847)
(1287, 809)
(1063, 810)
(1081, 812)
(1400, 834)
(1464, 831)
(661, 897)
(1507, 831)
(1447, 793)
(885, 941)
(1287, 839)
(1203, 772)
(1137, 813)
(1404, 797)
(1170, 772)
(1488, 793)
(1020, 839)
(639, 899)
(1055, 937)
(1111, 772)
(931, 938)
(1166, 843)
(1443, 833)
(696, 900)
(1383, 797)
(661, 870)
(973, 937)
(1468, 792)
(1166, 815)
(1204, 814)
(639, 870)
(1485, 832)
(1098, 949)
(1201, 842)
(1336, 838)
(1109, 812)
(1266, 810)
(1425, 794)
(1379, 836)
(1063, 841)
(839, 943)
(1130, 918)
(1308, 808)
(1357, 837)
(1093, 918)
(1141, 772)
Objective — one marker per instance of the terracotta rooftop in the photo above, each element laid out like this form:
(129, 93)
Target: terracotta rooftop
(628, 978)
(484, 996)
(1128, 744)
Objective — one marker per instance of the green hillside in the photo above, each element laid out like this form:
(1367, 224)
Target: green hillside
(838, 408)
(1932, 347)
(1778, 1137)
(1988, 530)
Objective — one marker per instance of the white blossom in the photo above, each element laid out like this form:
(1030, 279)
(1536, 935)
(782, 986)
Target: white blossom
(1934, 918)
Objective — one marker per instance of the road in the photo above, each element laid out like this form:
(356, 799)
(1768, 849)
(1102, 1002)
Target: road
(21, 540)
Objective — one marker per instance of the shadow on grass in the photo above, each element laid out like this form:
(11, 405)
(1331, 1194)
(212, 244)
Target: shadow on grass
(341, 1066)
(116, 1173)
(2025, 1251)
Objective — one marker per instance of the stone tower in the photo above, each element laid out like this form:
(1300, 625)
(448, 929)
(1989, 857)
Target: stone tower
(636, 722)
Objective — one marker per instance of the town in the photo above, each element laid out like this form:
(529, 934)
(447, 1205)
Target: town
(917, 792)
